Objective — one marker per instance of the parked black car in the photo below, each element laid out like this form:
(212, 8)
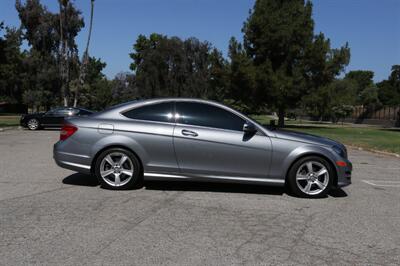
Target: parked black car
(53, 118)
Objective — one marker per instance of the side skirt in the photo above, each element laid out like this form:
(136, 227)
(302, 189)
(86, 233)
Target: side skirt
(214, 178)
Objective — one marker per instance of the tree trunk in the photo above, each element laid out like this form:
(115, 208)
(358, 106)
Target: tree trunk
(85, 58)
(281, 116)
(63, 59)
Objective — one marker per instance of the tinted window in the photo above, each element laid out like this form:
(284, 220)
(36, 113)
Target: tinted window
(64, 112)
(51, 112)
(161, 112)
(83, 112)
(208, 116)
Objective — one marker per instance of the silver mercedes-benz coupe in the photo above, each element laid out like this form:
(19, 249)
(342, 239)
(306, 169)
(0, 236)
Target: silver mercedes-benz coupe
(193, 139)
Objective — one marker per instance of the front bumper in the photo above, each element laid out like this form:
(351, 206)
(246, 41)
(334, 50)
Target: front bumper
(22, 122)
(344, 174)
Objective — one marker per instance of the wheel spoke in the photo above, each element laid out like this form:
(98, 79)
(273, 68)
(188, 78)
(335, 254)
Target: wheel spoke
(319, 184)
(109, 160)
(308, 187)
(126, 172)
(117, 180)
(309, 167)
(123, 159)
(301, 177)
(106, 172)
(322, 172)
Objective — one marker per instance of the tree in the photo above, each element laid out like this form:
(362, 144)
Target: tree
(363, 80)
(96, 92)
(85, 57)
(389, 89)
(11, 59)
(241, 73)
(218, 76)
(341, 112)
(369, 97)
(51, 39)
(70, 23)
(173, 67)
(149, 64)
(279, 38)
(330, 100)
(124, 87)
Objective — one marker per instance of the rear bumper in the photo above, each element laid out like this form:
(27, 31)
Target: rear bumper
(75, 162)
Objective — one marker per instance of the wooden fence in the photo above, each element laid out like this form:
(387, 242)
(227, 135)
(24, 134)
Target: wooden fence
(384, 113)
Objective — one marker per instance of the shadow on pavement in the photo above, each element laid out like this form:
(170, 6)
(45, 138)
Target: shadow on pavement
(338, 193)
(81, 180)
(212, 187)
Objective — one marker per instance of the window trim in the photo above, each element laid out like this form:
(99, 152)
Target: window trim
(208, 127)
(121, 113)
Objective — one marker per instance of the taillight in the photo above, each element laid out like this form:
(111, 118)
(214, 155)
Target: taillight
(67, 131)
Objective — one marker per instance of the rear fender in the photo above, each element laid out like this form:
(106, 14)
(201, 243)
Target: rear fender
(122, 141)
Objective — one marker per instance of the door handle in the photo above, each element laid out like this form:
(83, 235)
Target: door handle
(189, 133)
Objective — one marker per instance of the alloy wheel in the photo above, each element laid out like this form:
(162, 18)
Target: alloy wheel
(33, 124)
(312, 177)
(116, 169)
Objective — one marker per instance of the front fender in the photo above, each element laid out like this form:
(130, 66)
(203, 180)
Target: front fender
(286, 152)
(309, 150)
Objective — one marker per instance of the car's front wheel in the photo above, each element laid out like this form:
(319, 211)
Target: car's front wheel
(33, 124)
(311, 177)
(118, 169)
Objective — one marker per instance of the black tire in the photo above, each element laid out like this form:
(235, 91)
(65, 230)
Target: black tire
(297, 186)
(135, 179)
(33, 124)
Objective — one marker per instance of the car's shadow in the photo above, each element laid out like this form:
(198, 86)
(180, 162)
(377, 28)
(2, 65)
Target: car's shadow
(213, 187)
(81, 180)
(90, 181)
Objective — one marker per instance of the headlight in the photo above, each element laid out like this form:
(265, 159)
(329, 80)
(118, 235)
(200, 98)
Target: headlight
(339, 151)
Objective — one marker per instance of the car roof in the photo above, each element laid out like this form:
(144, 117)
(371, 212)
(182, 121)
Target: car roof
(116, 110)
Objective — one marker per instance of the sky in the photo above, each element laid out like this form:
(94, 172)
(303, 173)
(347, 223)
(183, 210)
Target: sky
(371, 27)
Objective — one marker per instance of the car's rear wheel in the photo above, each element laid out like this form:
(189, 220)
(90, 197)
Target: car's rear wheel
(311, 177)
(118, 169)
(33, 124)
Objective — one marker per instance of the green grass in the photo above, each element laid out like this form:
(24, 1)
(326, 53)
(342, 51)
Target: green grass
(366, 137)
(9, 121)
(369, 138)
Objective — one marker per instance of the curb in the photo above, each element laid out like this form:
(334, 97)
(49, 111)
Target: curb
(2, 129)
(374, 151)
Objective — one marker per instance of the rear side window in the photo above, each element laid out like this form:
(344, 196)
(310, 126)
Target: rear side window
(206, 115)
(64, 112)
(84, 112)
(160, 112)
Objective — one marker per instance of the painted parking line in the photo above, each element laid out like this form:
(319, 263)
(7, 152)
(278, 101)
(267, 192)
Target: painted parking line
(383, 183)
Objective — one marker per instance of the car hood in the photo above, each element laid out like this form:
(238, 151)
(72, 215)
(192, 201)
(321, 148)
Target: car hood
(307, 138)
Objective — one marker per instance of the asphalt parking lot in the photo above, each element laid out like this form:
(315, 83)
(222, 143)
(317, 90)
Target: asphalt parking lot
(53, 216)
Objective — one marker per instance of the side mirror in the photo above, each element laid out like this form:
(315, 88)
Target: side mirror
(249, 128)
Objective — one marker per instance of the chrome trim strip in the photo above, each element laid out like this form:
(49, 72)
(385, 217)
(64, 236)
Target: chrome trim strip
(262, 180)
(73, 154)
(76, 165)
(165, 175)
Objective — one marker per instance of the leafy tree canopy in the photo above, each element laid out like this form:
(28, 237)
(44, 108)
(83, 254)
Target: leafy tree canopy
(290, 60)
(389, 89)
